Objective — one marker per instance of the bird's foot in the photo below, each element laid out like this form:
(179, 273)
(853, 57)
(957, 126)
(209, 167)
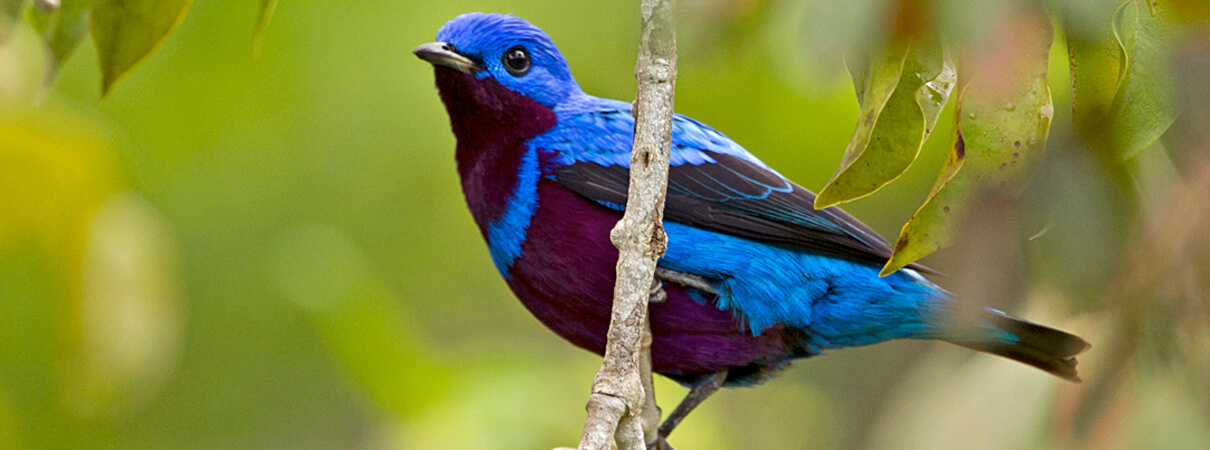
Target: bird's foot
(657, 294)
(700, 391)
(685, 279)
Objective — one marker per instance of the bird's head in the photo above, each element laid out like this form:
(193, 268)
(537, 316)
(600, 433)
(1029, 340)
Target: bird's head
(476, 48)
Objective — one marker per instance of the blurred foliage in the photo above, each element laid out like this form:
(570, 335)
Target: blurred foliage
(1119, 46)
(62, 30)
(1003, 117)
(246, 252)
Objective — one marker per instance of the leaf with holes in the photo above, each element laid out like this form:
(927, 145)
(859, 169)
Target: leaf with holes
(901, 91)
(1004, 113)
(128, 31)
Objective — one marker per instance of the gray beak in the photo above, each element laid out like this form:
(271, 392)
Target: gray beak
(442, 54)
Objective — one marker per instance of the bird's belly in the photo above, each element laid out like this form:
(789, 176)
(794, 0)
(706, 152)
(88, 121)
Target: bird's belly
(565, 277)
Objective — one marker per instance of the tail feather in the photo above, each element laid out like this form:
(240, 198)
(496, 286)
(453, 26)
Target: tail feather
(1043, 347)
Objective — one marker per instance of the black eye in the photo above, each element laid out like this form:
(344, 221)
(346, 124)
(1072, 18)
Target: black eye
(516, 61)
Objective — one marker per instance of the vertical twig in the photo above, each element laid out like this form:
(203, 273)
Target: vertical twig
(615, 408)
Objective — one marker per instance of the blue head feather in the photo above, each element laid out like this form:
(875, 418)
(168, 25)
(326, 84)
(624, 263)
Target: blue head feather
(485, 38)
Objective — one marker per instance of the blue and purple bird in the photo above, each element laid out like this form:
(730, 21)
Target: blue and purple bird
(755, 277)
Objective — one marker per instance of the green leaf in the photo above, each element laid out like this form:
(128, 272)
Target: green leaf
(1144, 105)
(262, 21)
(1004, 114)
(62, 30)
(901, 91)
(1096, 58)
(10, 16)
(127, 31)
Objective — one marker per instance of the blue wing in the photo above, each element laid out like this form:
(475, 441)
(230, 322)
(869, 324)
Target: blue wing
(714, 184)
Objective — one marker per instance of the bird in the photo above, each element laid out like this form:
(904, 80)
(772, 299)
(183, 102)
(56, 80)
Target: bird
(754, 276)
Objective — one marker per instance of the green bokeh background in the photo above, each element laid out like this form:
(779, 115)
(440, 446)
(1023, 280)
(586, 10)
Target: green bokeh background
(296, 267)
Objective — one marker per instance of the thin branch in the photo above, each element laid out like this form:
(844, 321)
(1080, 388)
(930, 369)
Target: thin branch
(650, 414)
(619, 392)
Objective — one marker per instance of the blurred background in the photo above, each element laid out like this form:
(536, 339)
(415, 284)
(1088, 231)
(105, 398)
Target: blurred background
(273, 252)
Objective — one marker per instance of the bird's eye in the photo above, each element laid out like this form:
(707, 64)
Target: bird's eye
(516, 61)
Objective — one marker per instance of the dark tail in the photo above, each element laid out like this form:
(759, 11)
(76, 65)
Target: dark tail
(1045, 348)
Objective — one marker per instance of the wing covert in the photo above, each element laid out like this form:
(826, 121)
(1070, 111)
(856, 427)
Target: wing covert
(713, 184)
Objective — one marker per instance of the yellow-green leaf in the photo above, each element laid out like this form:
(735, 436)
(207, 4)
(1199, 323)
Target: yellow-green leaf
(127, 31)
(1004, 113)
(62, 30)
(1144, 106)
(262, 21)
(901, 91)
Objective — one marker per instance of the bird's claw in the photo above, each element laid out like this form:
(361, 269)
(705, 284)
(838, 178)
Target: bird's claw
(657, 294)
(685, 279)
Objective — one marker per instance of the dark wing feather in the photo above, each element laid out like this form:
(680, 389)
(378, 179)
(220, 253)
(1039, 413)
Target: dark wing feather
(740, 198)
